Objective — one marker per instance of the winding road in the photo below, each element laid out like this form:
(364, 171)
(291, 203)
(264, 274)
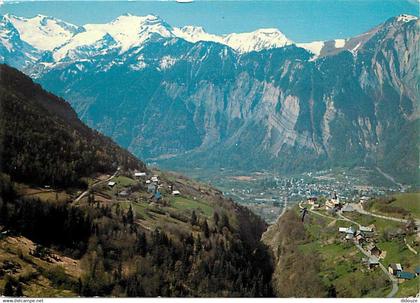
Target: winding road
(284, 209)
(94, 184)
(317, 213)
(390, 277)
(359, 208)
(393, 280)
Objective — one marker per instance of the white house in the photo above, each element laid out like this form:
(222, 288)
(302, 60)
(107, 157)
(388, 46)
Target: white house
(346, 230)
(111, 183)
(366, 229)
(176, 193)
(394, 268)
(140, 174)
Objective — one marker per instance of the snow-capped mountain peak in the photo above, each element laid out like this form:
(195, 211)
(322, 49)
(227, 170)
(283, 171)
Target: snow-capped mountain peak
(129, 30)
(260, 39)
(196, 33)
(406, 18)
(125, 32)
(243, 42)
(68, 42)
(43, 32)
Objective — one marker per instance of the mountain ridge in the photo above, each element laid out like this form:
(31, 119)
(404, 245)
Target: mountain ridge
(203, 103)
(49, 34)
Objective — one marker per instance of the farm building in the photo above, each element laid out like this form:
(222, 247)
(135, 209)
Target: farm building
(373, 250)
(111, 183)
(366, 229)
(394, 268)
(373, 262)
(123, 193)
(405, 275)
(349, 237)
(347, 208)
(157, 196)
(151, 188)
(347, 230)
(333, 204)
(312, 200)
(360, 239)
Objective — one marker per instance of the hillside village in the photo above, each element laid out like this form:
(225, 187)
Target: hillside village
(352, 242)
(266, 193)
(379, 238)
(384, 230)
(152, 203)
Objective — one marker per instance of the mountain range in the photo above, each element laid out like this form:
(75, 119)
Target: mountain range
(187, 98)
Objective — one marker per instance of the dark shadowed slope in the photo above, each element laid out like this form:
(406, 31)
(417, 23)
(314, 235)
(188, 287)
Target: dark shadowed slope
(43, 140)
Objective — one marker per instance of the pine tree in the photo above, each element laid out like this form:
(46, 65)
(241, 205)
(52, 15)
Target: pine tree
(130, 216)
(216, 218)
(4, 213)
(198, 245)
(193, 218)
(8, 288)
(19, 292)
(224, 221)
(206, 229)
(141, 244)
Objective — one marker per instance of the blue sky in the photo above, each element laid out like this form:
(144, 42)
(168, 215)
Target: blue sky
(300, 20)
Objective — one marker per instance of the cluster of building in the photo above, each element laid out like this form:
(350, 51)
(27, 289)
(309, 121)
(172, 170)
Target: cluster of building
(397, 270)
(334, 203)
(363, 235)
(265, 192)
(153, 186)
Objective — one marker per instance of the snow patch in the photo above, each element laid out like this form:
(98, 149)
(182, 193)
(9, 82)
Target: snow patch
(354, 49)
(140, 64)
(406, 18)
(166, 62)
(339, 43)
(314, 47)
(93, 39)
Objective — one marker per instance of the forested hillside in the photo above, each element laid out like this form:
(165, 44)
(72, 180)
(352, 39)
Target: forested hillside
(43, 141)
(63, 241)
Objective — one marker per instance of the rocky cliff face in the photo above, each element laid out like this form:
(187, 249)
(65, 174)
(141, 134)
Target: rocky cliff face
(204, 104)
